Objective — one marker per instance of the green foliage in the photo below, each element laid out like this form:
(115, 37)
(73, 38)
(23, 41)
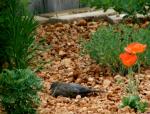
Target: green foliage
(25, 3)
(17, 30)
(2, 5)
(18, 91)
(135, 103)
(108, 42)
(18, 87)
(131, 7)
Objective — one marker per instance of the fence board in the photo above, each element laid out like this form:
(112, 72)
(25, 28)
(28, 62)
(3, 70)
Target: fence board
(43, 6)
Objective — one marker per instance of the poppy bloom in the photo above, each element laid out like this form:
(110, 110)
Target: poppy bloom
(135, 48)
(128, 59)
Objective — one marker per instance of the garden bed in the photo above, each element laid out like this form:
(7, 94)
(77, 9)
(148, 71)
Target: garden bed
(111, 58)
(69, 65)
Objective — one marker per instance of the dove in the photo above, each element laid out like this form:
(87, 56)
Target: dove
(69, 90)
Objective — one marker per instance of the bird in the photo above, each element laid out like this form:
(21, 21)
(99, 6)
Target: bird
(69, 90)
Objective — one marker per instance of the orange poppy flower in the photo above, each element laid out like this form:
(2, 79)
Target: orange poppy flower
(128, 59)
(135, 48)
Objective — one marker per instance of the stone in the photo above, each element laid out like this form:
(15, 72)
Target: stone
(41, 20)
(66, 62)
(82, 22)
(85, 15)
(117, 77)
(106, 83)
(84, 108)
(62, 53)
(148, 76)
(114, 19)
(147, 72)
(90, 79)
(78, 97)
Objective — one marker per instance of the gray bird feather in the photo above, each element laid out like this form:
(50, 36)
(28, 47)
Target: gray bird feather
(69, 89)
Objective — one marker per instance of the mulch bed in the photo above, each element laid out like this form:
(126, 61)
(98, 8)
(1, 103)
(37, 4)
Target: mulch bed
(68, 64)
(61, 59)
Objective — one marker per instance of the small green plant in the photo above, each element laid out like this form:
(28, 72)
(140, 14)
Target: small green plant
(18, 91)
(130, 7)
(134, 102)
(108, 42)
(17, 34)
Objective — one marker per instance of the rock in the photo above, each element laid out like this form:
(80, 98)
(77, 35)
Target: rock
(114, 19)
(62, 53)
(140, 76)
(82, 22)
(78, 97)
(70, 74)
(147, 72)
(84, 109)
(59, 25)
(97, 86)
(83, 102)
(106, 83)
(66, 62)
(148, 76)
(117, 77)
(78, 80)
(147, 92)
(41, 19)
(73, 17)
(90, 79)
(66, 100)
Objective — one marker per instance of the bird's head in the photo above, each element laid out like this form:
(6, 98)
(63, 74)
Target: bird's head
(54, 84)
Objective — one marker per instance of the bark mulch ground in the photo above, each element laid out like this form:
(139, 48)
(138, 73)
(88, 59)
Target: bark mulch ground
(65, 62)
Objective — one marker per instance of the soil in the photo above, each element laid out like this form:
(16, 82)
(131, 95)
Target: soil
(61, 59)
(64, 61)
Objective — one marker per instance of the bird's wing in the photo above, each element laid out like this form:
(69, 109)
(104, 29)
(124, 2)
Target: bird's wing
(74, 89)
(81, 89)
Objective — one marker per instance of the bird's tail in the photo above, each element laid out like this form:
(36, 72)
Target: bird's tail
(97, 90)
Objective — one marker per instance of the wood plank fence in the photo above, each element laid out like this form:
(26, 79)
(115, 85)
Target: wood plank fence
(44, 6)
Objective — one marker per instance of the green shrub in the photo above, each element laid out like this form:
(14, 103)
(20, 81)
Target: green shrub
(108, 42)
(2, 5)
(130, 7)
(17, 34)
(134, 102)
(18, 91)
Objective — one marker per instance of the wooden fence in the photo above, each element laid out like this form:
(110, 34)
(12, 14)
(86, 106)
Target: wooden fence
(43, 6)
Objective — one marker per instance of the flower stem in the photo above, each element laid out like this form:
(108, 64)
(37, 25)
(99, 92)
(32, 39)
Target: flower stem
(132, 86)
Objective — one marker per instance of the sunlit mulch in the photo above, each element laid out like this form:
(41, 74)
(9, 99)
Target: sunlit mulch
(69, 65)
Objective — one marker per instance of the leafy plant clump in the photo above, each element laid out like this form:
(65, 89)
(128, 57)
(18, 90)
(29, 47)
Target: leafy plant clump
(130, 7)
(133, 101)
(17, 34)
(18, 91)
(108, 42)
